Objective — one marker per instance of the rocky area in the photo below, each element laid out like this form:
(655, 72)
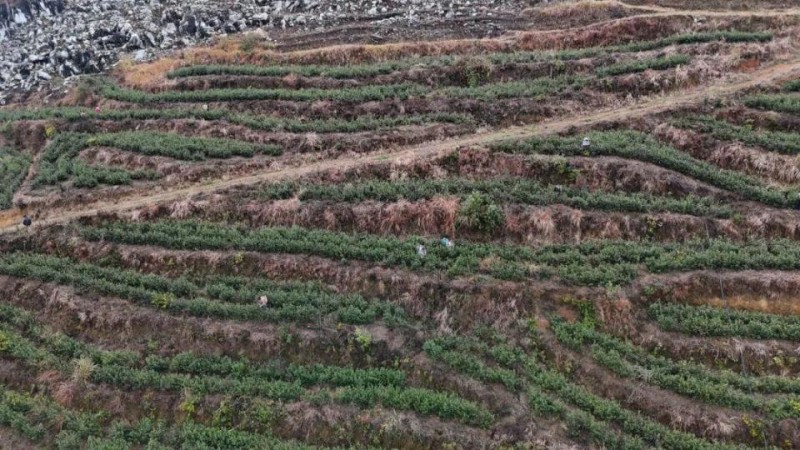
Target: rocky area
(42, 40)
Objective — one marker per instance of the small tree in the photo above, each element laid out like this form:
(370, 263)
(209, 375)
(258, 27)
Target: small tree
(479, 213)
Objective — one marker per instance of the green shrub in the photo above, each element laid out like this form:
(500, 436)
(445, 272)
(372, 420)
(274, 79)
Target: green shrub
(255, 122)
(792, 86)
(683, 378)
(786, 103)
(478, 212)
(597, 263)
(639, 146)
(661, 63)
(13, 170)
(368, 70)
(356, 94)
(788, 143)
(178, 146)
(287, 301)
(501, 190)
(535, 88)
(708, 321)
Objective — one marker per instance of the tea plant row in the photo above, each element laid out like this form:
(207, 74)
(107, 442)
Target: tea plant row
(13, 169)
(710, 321)
(178, 296)
(781, 142)
(60, 160)
(501, 190)
(255, 122)
(512, 89)
(552, 393)
(500, 58)
(785, 103)
(356, 387)
(598, 262)
(42, 420)
(639, 146)
(661, 63)
(689, 380)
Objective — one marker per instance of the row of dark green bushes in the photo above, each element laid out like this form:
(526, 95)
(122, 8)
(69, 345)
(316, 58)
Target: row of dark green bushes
(45, 423)
(501, 190)
(178, 146)
(710, 321)
(204, 375)
(255, 122)
(533, 88)
(32, 335)
(785, 103)
(60, 163)
(13, 169)
(685, 379)
(778, 141)
(792, 86)
(355, 95)
(659, 63)
(362, 393)
(60, 160)
(180, 296)
(387, 67)
(602, 421)
(639, 146)
(601, 262)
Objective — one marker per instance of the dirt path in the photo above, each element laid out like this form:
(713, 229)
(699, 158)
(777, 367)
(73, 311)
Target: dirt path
(9, 220)
(656, 11)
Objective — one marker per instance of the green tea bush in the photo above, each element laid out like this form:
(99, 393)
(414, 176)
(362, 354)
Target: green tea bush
(598, 263)
(639, 146)
(182, 296)
(708, 321)
(785, 103)
(13, 169)
(358, 385)
(60, 163)
(501, 190)
(356, 94)
(536, 88)
(685, 378)
(661, 63)
(470, 365)
(792, 86)
(255, 122)
(478, 212)
(781, 142)
(179, 146)
(387, 67)
(423, 401)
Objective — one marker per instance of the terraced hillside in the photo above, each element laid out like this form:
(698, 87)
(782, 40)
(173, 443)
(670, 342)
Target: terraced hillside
(408, 245)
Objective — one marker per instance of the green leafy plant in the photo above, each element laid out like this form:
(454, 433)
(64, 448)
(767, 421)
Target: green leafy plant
(478, 212)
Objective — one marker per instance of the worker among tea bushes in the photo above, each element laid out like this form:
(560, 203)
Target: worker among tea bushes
(447, 242)
(586, 143)
(421, 251)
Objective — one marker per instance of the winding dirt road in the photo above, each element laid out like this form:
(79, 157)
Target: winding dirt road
(9, 220)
